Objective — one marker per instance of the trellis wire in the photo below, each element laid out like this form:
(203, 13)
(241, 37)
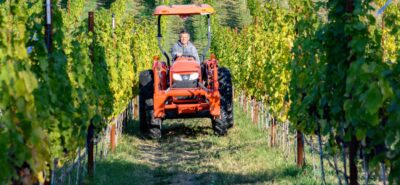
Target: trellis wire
(365, 163)
(321, 153)
(285, 140)
(263, 120)
(383, 173)
(335, 163)
(312, 153)
(346, 178)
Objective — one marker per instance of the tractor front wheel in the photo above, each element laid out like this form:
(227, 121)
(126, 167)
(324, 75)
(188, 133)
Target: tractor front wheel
(225, 121)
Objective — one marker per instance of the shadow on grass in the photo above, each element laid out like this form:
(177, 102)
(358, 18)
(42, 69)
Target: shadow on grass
(178, 137)
(122, 172)
(173, 129)
(187, 155)
(178, 129)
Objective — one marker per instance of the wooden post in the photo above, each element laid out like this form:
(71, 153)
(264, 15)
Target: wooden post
(253, 111)
(90, 144)
(126, 116)
(69, 7)
(113, 30)
(383, 37)
(354, 143)
(353, 162)
(112, 138)
(247, 105)
(136, 109)
(90, 135)
(259, 118)
(241, 100)
(49, 41)
(300, 150)
(244, 104)
(272, 132)
(91, 29)
(250, 109)
(262, 115)
(48, 27)
(256, 112)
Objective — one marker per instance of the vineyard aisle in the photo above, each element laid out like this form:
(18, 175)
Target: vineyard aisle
(190, 154)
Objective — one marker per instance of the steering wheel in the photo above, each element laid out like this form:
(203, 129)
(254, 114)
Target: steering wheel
(189, 56)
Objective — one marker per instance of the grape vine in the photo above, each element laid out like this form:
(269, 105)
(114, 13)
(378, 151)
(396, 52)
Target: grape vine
(49, 99)
(329, 66)
(260, 53)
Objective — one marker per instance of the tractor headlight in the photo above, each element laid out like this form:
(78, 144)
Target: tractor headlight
(194, 76)
(178, 77)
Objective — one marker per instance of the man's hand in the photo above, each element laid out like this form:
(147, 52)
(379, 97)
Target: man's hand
(178, 54)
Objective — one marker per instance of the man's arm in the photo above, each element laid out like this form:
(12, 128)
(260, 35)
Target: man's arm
(175, 50)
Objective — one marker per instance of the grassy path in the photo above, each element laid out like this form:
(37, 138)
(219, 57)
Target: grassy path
(189, 153)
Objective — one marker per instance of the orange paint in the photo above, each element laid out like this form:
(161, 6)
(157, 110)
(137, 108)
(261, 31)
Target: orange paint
(184, 10)
(165, 99)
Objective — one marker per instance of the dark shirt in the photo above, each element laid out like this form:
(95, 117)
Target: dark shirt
(189, 49)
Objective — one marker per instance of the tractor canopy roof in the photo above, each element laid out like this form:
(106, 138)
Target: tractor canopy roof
(192, 9)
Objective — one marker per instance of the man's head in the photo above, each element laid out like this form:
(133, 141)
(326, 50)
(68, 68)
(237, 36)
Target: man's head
(184, 37)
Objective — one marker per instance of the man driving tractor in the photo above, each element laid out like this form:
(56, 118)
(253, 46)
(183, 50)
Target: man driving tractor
(206, 86)
(184, 47)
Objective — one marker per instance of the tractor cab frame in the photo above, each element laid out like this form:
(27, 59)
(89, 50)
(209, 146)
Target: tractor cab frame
(185, 89)
(183, 11)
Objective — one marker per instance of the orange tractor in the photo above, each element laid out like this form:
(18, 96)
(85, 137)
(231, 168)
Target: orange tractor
(186, 89)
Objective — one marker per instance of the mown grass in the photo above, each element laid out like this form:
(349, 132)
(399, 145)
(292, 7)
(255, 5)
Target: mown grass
(190, 153)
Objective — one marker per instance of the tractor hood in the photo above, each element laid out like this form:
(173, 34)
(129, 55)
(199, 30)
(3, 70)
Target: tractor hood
(185, 66)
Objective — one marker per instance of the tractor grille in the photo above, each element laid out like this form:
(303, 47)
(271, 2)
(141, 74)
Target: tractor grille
(185, 84)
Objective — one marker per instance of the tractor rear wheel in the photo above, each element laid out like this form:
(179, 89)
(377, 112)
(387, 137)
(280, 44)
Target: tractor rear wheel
(148, 124)
(220, 125)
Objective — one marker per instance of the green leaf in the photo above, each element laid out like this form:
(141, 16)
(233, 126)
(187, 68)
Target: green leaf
(20, 88)
(361, 133)
(30, 80)
(373, 99)
(44, 64)
(359, 26)
(386, 89)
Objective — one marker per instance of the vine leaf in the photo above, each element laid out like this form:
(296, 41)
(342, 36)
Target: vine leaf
(373, 99)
